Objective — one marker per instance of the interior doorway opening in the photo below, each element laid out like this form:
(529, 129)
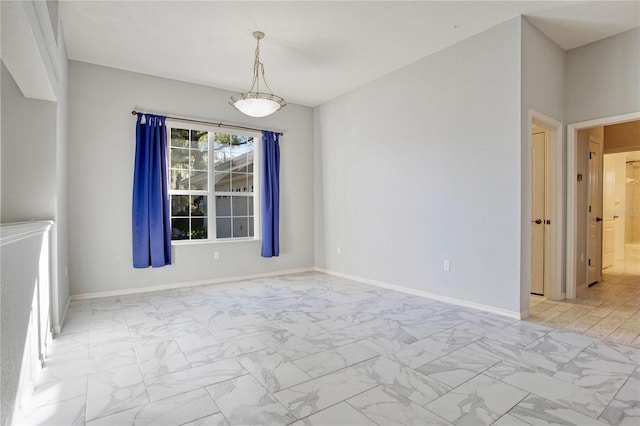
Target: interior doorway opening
(584, 230)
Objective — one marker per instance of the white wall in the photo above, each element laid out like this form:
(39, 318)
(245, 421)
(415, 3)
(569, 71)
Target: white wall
(20, 262)
(543, 68)
(424, 165)
(100, 164)
(602, 78)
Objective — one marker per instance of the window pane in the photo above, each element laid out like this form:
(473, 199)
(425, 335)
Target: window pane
(250, 201)
(199, 180)
(222, 139)
(179, 229)
(239, 163)
(223, 206)
(199, 137)
(200, 159)
(223, 228)
(250, 161)
(222, 161)
(179, 158)
(250, 182)
(180, 137)
(239, 182)
(179, 179)
(251, 233)
(223, 182)
(198, 205)
(240, 227)
(199, 228)
(240, 206)
(179, 205)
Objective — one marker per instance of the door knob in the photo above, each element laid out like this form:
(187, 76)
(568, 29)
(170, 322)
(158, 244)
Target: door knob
(598, 219)
(538, 221)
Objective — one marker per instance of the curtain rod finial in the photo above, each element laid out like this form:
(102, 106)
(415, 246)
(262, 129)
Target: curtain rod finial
(134, 112)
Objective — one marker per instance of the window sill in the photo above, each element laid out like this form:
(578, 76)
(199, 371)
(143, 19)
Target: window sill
(201, 242)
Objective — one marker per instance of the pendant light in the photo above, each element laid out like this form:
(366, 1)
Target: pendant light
(255, 103)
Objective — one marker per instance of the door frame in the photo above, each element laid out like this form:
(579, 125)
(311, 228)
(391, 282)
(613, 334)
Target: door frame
(555, 168)
(572, 190)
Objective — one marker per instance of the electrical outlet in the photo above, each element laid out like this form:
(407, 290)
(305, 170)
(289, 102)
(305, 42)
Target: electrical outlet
(216, 255)
(445, 264)
(339, 250)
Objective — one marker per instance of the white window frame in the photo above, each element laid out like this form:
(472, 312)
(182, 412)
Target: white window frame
(211, 193)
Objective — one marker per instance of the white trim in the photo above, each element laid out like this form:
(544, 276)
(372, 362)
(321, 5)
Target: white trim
(554, 131)
(572, 189)
(16, 231)
(174, 286)
(446, 299)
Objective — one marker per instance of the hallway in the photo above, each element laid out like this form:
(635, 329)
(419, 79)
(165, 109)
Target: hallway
(610, 310)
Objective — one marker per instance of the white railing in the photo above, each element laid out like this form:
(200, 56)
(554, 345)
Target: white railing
(25, 310)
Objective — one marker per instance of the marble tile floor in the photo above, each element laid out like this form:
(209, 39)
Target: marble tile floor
(315, 349)
(609, 310)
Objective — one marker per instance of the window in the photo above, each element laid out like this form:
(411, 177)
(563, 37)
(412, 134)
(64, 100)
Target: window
(206, 165)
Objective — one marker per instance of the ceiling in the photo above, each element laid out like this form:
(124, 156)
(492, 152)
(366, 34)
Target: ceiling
(313, 51)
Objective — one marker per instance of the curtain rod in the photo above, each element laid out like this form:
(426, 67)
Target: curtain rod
(221, 125)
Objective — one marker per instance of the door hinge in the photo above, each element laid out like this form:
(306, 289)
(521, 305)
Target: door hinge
(589, 209)
(590, 155)
(589, 262)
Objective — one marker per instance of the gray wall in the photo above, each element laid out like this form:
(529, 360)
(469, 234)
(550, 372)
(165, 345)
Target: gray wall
(423, 165)
(543, 69)
(100, 164)
(60, 231)
(28, 155)
(602, 78)
(34, 134)
(33, 184)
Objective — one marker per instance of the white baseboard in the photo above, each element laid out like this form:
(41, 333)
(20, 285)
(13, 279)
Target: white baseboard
(446, 299)
(174, 286)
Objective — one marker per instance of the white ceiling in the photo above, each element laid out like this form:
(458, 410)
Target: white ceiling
(313, 51)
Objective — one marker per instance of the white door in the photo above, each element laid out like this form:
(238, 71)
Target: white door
(594, 202)
(537, 212)
(608, 210)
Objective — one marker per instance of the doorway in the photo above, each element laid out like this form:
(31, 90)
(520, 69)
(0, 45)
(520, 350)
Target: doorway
(597, 237)
(546, 209)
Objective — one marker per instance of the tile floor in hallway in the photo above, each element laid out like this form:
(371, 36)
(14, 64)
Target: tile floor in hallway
(315, 349)
(609, 310)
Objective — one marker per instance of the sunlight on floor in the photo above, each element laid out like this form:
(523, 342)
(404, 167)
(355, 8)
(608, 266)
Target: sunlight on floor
(609, 310)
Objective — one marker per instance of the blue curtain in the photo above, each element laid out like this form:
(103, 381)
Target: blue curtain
(150, 208)
(270, 193)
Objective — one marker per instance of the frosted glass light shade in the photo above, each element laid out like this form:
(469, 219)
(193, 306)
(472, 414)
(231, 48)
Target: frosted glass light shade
(255, 104)
(256, 107)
